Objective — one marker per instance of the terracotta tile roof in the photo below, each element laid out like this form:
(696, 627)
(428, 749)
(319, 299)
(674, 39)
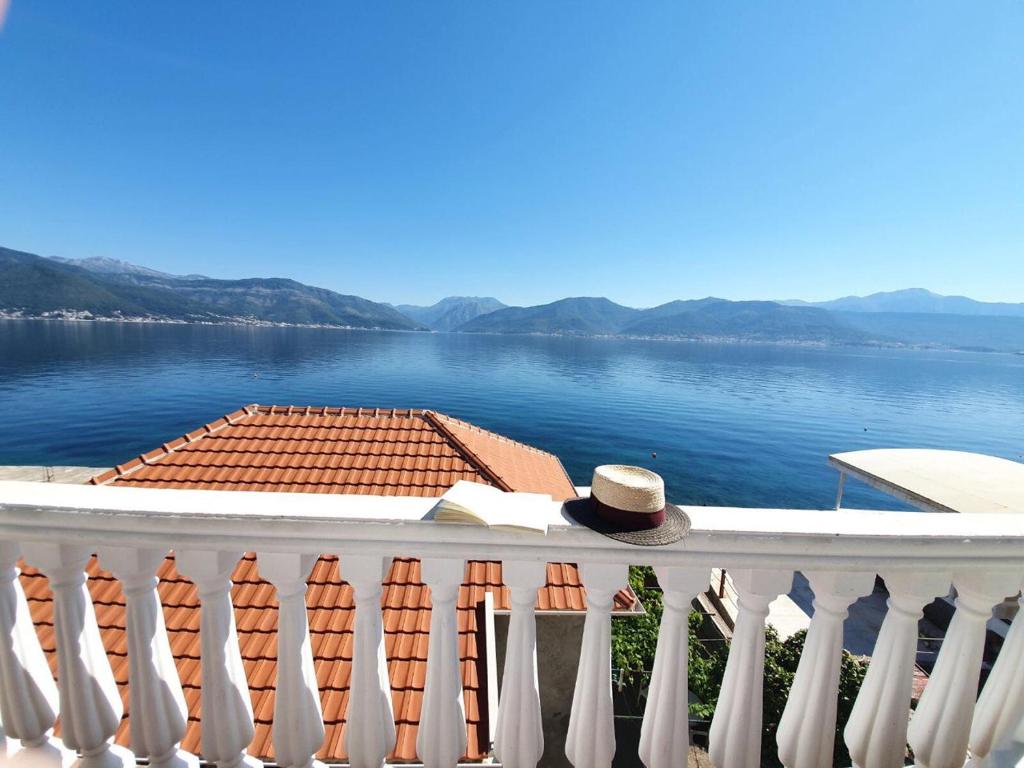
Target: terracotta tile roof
(331, 450)
(343, 450)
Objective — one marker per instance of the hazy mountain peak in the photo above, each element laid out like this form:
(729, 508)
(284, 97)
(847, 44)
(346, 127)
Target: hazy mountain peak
(450, 312)
(581, 315)
(449, 300)
(108, 266)
(916, 300)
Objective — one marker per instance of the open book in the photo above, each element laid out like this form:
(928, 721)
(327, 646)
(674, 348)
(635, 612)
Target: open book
(469, 502)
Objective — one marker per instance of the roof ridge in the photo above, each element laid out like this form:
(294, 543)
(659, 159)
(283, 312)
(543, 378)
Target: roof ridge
(335, 410)
(503, 439)
(494, 435)
(433, 418)
(166, 449)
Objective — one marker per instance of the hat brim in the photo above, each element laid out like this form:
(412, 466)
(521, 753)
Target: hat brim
(675, 527)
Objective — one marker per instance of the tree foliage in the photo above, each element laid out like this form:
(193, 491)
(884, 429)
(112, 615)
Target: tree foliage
(634, 642)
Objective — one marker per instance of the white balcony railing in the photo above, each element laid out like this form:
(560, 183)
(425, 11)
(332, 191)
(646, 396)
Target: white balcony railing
(56, 528)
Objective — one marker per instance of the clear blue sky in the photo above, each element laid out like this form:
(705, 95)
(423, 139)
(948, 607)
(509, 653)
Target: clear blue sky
(405, 151)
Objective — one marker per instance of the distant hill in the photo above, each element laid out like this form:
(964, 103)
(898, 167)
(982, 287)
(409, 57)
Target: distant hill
(678, 306)
(697, 319)
(584, 316)
(752, 321)
(35, 286)
(985, 333)
(916, 300)
(451, 312)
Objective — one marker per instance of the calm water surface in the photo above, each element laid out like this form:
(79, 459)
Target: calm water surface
(731, 424)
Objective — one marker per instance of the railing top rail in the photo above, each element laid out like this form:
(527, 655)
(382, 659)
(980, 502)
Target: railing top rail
(317, 524)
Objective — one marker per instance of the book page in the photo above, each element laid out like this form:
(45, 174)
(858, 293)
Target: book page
(470, 502)
(473, 500)
(526, 511)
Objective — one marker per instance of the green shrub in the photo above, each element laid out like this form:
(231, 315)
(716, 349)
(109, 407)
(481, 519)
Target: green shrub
(634, 642)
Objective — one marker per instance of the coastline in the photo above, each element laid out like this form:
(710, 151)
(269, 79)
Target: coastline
(227, 321)
(242, 322)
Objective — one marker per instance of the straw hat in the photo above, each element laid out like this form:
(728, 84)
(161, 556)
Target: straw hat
(628, 504)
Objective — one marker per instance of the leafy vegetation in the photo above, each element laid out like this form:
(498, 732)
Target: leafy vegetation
(634, 642)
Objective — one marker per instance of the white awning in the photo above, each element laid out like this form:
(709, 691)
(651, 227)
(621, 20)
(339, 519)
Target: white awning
(939, 481)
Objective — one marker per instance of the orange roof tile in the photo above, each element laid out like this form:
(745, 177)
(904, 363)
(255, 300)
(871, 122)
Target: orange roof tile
(343, 450)
(330, 450)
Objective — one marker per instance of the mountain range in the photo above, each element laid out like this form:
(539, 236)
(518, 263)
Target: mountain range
(34, 286)
(917, 301)
(709, 318)
(100, 288)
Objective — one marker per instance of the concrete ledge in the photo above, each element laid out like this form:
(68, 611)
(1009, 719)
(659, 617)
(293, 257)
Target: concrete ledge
(33, 474)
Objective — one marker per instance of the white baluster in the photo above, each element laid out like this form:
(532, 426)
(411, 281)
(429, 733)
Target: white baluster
(806, 733)
(1001, 705)
(90, 704)
(28, 695)
(227, 727)
(665, 733)
(876, 733)
(156, 703)
(519, 734)
(1014, 745)
(940, 728)
(590, 740)
(735, 735)
(370, 728)
(298, 719)
(441, 739)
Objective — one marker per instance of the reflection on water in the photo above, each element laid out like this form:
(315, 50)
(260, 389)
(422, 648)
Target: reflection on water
(731, 424)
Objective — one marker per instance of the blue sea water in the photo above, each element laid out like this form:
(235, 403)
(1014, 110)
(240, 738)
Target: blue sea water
(731, 424)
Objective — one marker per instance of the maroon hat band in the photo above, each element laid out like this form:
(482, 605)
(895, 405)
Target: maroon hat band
(629, 521)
